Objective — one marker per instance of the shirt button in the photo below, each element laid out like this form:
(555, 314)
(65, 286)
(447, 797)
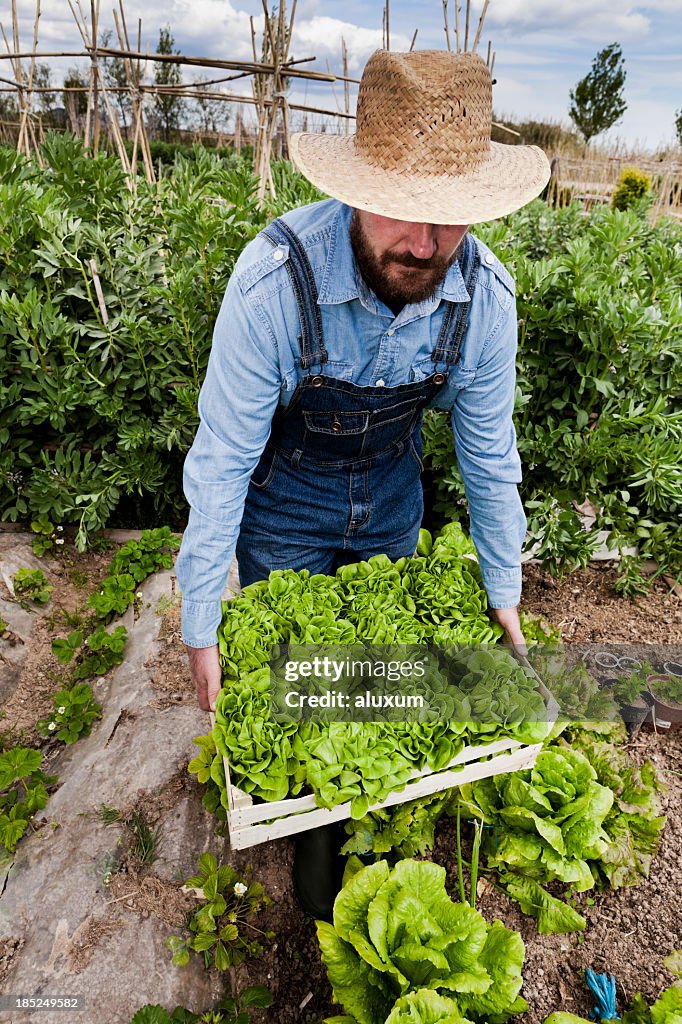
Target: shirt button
(390, 331)
(278, 255)
(489, 258)
(381, 382)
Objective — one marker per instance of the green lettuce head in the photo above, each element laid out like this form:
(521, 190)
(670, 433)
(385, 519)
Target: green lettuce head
(397, 931)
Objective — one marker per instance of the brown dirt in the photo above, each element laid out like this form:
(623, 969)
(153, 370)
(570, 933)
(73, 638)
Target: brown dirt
(145, 895)
(587, 609)
(86, 939)
(74, 576)
(170, 669)
(9, 948)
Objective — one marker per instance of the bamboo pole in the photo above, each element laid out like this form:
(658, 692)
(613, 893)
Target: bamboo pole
(94, 20)
(457, 25)
(466, 28)
(388, 24)
(414, 40)
(480, 25)
(346, 85)
(205, 62)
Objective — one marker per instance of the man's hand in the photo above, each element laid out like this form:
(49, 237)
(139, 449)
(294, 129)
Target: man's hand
(204, 664)
(508, 618)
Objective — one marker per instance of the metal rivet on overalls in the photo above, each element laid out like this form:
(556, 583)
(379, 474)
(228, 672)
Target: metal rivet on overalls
(316, 382)
(278, 254)
(336, 426)
(438, 378)
(489, 258)
(381, 382)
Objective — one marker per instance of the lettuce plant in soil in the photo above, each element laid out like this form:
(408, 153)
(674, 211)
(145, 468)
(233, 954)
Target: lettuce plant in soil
(397, 932)
(585, 815)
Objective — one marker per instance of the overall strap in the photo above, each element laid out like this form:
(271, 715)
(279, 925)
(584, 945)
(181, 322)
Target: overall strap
(457, 313)
(311, 339)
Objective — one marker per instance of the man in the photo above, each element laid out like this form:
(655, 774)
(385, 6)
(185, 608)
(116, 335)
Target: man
(342, 321)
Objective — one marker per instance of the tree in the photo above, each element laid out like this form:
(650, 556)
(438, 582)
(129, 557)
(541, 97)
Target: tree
(210, 115)
(168, 108)
(597, 102)
(76, 103)
(678, 126)
(42, 79)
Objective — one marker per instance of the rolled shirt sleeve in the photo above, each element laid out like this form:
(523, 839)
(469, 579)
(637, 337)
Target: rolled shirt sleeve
(236, 406)
(485, 445)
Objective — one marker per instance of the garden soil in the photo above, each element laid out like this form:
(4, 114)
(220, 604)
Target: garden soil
(80, 913)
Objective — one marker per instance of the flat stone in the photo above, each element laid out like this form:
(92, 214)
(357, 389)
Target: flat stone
(55, 893)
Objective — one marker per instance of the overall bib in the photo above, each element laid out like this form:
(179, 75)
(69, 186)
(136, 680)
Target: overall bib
(339, 479)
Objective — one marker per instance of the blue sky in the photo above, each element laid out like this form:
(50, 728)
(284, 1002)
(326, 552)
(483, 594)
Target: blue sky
(543, 47)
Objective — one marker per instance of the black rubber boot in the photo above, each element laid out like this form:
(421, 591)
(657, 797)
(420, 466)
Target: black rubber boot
(318, 869)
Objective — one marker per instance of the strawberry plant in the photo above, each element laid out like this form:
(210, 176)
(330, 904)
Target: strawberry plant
(104, 650)
(221, 929)
(231, 1010)
(74, 712)
(23, 791)
(32, 585)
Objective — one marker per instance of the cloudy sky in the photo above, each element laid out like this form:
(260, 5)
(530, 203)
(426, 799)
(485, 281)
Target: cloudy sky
(543, 47)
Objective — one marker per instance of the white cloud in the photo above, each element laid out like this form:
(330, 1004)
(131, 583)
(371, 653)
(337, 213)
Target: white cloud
(321, 35)
(583, 19)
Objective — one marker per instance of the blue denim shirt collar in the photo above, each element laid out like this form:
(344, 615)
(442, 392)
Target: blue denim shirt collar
(342, 281)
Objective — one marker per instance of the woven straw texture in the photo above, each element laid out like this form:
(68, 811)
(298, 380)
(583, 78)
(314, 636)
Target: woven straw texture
(422, 149)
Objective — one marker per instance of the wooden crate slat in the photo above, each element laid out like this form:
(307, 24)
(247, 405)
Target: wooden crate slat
(254, 813)
(242, 837)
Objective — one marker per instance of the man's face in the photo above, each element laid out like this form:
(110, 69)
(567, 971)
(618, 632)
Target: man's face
(403, 261)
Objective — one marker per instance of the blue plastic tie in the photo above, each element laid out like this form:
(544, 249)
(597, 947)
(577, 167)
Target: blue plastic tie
(603, 986)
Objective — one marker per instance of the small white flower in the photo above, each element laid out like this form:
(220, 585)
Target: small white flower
(240, 889)
(139, 595)
(59, 540)
(60, 529)
(52, 725)
(61, 710)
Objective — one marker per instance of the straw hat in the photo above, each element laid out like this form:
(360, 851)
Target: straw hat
(422, 150)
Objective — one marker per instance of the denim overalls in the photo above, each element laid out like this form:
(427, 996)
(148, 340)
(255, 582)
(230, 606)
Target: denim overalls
(339, 479)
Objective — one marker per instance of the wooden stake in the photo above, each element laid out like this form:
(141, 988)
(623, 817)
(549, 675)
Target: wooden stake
(480, 25)
(457, 25)
(100, 294)
(388, 24)
(414, 39)
(346, 85)
(466, 29)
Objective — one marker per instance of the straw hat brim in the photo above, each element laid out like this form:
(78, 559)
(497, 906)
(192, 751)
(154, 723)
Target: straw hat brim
(508, 179)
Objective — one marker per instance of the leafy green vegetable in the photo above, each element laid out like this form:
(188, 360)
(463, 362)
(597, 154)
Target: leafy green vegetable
(397, 932)
(440, 599)
(424, 1007)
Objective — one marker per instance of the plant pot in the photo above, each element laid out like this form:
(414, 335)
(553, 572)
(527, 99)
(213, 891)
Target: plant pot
(668, 713)
(638, 712)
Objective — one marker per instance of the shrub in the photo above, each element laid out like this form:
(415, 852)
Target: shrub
(633, 185)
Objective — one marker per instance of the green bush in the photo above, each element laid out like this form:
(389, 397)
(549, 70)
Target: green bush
(632, 185)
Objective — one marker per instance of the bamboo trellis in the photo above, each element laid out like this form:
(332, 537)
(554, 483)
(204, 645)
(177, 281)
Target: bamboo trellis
(270, 72)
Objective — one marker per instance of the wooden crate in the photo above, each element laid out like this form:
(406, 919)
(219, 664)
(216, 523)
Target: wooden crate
(250, 824)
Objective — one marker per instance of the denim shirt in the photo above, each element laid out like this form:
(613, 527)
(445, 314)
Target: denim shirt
(254, 366)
